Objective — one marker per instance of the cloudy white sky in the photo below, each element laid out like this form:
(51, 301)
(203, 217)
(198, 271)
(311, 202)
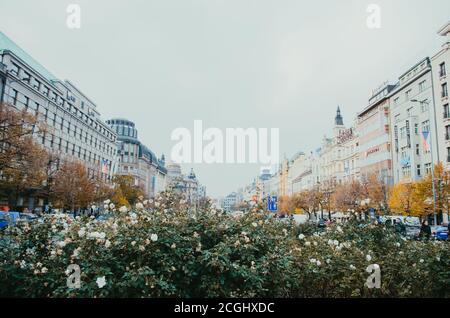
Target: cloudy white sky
(230, 63)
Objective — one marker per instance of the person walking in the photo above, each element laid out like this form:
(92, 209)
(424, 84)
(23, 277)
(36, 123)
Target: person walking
(425, 230)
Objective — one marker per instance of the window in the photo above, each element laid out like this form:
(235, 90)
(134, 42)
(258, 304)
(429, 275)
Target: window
(426, 126)
(422, 86)
(418, 170)
(26, 77)
(396, 100)
(446, 111)
(448, 154)
(397, 118)
(408, 112)
(447, 132)
(36, 84)
(444, 90)
(417, 149)
(15, 69)
(45, 90)
(416, 129)
(407, 94)
(13, 96)
(424, 106)
(406, 171)
(402, 132)
(54, 96)
(442, 71)
(427, 168)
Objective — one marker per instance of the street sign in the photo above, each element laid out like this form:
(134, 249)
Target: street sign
(272, 203)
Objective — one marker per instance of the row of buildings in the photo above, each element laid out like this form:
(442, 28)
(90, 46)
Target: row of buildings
(399, 135)
(75, 127)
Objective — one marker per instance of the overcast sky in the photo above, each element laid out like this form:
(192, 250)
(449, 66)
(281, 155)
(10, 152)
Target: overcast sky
(230, 63)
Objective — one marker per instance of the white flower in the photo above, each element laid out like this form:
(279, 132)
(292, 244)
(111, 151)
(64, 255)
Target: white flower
(106, 206)
(107, 243)
(61, 244)
(307, 243)
(336, 242)
(123, 209)
(101, 282)
(133, 215)
(312, 260)
(328, 261)
(154, 237)
(22, 264)
(199, 247)
(421, 260)
(339, 229)
(139, 206)
(173, 246)
(112, 206)
(352, 267)
(157, 204)
(81, 232)
(195, 235)
(76, 252)
(254, 224)
(145, 202)
(141, 248)
(133, 243)
(107, 201)
(315, 243)
(368, 257)
(301, 237)
(318, 263)
(44, 270)
(397, 244)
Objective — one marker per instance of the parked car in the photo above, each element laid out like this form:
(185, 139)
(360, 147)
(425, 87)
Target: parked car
(27, 217)
(6, 218)
(439, 232)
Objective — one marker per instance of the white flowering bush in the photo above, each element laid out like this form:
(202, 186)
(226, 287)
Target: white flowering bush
(165, 248)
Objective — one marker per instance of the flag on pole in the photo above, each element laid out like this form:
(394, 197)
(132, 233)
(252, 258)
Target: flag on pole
(105, 166)
(426, 140)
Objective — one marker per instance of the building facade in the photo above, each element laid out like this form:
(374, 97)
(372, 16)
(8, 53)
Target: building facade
(137, 160)
(374, 130)
(414, 138)
(440, 67)
(75, 129)
(339, 155)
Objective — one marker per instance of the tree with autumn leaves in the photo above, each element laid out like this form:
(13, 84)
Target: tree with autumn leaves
(417, 199)
(26, 168)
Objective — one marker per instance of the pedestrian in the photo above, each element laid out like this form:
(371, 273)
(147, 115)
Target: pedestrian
(425, 230)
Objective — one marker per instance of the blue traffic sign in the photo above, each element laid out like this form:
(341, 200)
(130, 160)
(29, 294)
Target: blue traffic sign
(272, 203)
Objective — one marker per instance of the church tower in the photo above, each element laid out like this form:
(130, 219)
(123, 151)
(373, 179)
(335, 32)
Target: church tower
(338, 123)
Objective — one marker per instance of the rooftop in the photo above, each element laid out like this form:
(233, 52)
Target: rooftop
(6, 44)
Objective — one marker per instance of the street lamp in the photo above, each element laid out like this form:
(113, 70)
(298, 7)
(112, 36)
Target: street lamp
(432, 161)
